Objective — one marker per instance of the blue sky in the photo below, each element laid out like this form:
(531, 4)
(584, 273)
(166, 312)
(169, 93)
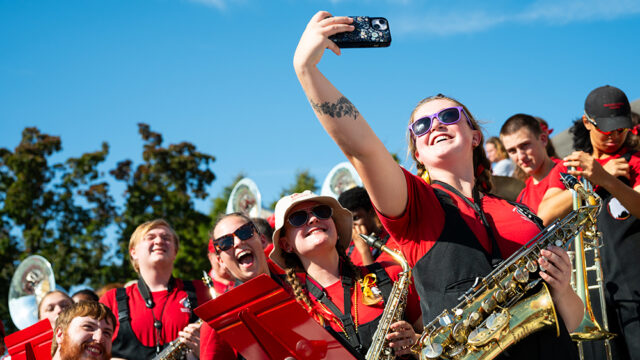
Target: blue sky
(218, 73)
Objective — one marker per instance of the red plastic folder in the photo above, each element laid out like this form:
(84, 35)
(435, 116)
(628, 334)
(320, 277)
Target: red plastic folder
(262, 321)
(31, 343)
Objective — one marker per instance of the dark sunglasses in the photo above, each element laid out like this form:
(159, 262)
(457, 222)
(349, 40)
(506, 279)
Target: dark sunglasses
(301, 217)
(616, 131)
(446, 116)
(225, 242)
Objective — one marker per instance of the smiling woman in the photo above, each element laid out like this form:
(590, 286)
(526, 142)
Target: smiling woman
(450, 216)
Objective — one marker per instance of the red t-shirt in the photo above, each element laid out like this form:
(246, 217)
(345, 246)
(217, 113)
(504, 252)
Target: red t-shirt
(532, 194)
(169, 308)
(634, 166)
(368, 313)
(422, 222)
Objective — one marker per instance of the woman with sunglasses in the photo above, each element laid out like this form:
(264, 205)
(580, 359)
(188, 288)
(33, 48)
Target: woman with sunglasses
(449, 229)
(608, 155)
(238, 246)
(309, 242)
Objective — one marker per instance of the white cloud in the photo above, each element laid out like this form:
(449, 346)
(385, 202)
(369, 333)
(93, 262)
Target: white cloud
(552, 12)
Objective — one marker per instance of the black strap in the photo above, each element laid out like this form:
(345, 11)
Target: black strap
(476, 205)
(146, 293)
(123, 305)
(345, 318)
(383, 280)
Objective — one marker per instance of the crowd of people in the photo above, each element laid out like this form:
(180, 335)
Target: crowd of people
(445, 219)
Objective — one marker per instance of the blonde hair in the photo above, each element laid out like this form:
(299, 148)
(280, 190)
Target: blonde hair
(502, 152)
(142, 230)
(481, 165)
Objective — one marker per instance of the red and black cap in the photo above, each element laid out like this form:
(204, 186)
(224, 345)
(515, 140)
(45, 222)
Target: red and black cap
(609, 107)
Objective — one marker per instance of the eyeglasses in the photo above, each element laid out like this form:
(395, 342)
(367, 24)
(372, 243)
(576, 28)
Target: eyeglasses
(225, 242)
(301, 217)
(446, 116)
(616, 131)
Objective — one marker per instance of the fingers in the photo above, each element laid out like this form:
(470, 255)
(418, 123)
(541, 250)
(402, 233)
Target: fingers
(190, 335)
(402, 338)
(557, 267)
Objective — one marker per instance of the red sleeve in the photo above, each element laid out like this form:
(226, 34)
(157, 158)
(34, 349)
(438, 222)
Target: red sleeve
(109, 299)
(213, 347)
(554, 176)
(421, 223)
(634, 169)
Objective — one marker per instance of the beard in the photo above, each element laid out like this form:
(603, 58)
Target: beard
(72, 351)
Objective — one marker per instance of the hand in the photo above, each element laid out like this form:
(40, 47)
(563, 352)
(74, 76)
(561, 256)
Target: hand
(402, 338)
(590, 168)
(617, 167)
(191, 337)
(315, 38)
(557, 265)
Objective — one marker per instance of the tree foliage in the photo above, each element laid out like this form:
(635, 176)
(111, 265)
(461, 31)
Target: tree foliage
(61, 211)
(164, 186)
(303, 181)
(219, 203)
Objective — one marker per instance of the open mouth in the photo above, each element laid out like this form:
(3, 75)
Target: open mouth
(94, 350)
(315, 230)
(245, 257)
(440, 138)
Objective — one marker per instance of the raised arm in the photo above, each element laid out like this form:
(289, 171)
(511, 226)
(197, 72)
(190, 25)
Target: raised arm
(380, 174)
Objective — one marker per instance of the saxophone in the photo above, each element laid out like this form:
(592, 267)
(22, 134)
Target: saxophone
(177, 349)
(394, 309)
(506, 305)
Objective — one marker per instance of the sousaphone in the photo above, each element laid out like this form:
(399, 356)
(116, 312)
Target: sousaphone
(340, 179)
(245, 198)
(31, 281)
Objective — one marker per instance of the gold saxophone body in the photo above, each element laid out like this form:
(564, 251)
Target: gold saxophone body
(506, 305)
(394, 308)
(177, 349)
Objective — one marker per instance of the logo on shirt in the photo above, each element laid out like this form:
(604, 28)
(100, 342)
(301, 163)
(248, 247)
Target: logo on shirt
(186, 305)
(525, 214)
(617, 210)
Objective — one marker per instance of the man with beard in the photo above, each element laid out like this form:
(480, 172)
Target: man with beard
(83, 331)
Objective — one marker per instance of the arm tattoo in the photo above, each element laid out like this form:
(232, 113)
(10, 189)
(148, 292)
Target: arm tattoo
(342, 107)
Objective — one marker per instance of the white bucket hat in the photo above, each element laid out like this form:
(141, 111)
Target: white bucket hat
(342, 218)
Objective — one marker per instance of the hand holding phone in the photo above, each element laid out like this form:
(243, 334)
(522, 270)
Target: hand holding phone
(368, 32)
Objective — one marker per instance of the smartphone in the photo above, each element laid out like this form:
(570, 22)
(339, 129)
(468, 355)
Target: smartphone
(368, 32)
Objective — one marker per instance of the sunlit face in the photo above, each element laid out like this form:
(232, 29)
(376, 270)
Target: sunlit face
(526, 150)
(85, 338)
(52, 305)
(317, 237)
(157, 247)
(492, 152)
(444, 144)
(246, 259)
(609, 143)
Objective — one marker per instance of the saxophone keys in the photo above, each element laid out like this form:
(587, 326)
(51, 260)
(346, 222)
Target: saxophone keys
(461, 331)
(445, 320)
(500, 296)
(497, 321)
(479, 336)
(488, 305)
(455, 351)
(521, 276)
(431, 351)
(474, 318)
(532, 266)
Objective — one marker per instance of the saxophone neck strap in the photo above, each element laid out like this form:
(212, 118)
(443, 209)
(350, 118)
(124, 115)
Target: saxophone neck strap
(345, 318)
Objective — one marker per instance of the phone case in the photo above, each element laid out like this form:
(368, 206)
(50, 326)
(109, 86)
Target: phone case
(368, 32)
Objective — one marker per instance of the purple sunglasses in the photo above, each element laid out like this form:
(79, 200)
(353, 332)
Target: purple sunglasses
(446, 116)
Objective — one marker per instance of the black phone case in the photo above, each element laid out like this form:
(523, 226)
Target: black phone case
(364, 34)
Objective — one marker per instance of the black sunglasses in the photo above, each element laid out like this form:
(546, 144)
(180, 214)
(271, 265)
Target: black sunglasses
(225, 242)
(301, 217)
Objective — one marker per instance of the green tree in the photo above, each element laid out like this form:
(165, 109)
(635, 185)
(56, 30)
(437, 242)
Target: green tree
(303, 181)
(164, 186)
(61, 211)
